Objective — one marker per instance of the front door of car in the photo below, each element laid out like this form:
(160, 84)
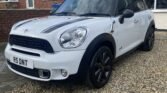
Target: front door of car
(127, 34)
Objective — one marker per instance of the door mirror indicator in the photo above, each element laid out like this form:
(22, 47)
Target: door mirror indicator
(126, 14)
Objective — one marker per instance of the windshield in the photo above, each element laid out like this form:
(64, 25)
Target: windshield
(87, 8)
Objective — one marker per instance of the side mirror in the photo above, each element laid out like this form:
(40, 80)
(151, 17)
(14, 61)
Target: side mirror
(126, 14)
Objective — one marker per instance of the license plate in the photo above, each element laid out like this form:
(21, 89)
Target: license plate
(22, 62)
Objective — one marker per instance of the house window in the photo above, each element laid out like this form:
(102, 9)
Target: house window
(3, 0)
(157, 5)
(8, 0)
(30, 4)
(161, 4)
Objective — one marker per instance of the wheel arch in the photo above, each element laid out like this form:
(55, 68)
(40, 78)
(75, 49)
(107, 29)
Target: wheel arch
(151, 25)
(103, 39)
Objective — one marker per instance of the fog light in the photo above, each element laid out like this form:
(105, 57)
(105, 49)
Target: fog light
(44, 74)
(64, 73)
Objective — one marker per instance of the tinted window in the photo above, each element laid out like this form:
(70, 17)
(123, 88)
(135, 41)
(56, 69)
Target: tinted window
(150, 3)
(137, 5)
(122, 5)
(161, 4)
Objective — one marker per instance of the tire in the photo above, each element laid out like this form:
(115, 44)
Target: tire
(100, 68)
(149, 40)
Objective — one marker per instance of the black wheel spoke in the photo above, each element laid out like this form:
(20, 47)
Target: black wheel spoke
(97, 72)
(104, 56)
(99, 77)
(104, 68)
(105, 75)
(106, 61)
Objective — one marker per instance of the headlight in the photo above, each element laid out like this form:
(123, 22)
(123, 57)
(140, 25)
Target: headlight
(73, 38)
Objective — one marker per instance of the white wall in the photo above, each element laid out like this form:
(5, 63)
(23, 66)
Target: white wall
(160, 20)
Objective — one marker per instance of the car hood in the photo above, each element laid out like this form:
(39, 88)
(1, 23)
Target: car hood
(51, 28)
(46, 24)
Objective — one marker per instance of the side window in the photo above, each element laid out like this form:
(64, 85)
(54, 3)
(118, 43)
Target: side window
(122, 5)
(141, 5)
(137, 5)
(150, 3)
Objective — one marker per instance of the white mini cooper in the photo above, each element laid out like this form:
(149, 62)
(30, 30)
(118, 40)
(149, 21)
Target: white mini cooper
(81, 39)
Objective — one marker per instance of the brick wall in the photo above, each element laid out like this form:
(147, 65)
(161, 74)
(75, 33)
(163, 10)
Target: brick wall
(2, 5)
(9, 17)
(39, 4)
(8, 5)
(45, 3)
(22, 4)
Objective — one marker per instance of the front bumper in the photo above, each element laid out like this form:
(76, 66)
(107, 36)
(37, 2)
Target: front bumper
(54, 63)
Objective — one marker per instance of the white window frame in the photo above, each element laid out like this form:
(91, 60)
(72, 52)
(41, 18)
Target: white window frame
(158, 10)
(3, 1)
(27, 5)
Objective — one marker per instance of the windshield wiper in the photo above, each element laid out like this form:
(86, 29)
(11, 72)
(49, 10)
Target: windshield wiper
(65, 13)
(94, 14)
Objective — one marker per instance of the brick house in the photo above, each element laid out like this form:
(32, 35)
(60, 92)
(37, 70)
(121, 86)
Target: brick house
(12, 11)
(27, 4)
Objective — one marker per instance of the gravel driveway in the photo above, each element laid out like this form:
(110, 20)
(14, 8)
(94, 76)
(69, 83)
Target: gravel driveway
(139, 72)
(8, 80)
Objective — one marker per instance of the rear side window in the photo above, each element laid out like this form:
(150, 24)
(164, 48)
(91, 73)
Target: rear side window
(137, 5)
(122, 5)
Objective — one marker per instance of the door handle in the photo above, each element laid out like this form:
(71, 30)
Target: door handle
(136, 21)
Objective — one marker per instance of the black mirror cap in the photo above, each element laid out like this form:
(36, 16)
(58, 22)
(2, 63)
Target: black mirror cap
(128, 13)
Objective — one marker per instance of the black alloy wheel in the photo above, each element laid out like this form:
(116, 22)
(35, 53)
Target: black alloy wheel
(149, 41)
(100, 68)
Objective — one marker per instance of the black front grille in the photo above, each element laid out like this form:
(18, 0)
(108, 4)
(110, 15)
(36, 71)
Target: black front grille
(30, 42)
(27, 71)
